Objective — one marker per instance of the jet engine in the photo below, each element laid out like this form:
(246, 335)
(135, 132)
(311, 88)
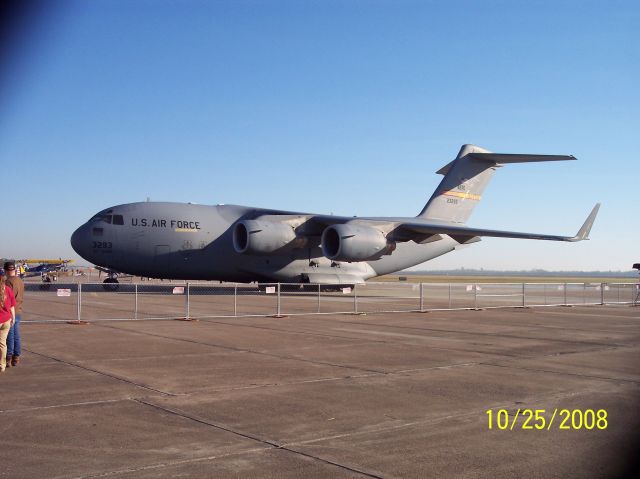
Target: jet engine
(350, 242)
(263, 237)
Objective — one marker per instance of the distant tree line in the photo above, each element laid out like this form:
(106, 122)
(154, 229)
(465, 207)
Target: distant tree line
(530, 272)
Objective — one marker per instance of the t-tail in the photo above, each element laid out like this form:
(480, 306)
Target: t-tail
(466, 178)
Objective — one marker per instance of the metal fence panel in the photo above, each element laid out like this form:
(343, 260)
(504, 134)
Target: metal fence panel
(160, 301)
(463, 296)
(337, 299)
(574, 293)
(210, 301)
(620, 293)
(544, 294)
(592, 293)
(583, 293)
(499, 295)
(436, 296)
(299, 299)
(108, 301)
(257, 299)
(50, 301)
(381, 297)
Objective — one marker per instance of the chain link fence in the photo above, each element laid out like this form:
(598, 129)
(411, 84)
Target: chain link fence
(63, 302)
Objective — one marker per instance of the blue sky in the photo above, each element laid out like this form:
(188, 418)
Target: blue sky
(344, 107)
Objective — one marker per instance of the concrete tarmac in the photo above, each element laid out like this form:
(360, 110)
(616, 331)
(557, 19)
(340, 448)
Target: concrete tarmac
(377, 395)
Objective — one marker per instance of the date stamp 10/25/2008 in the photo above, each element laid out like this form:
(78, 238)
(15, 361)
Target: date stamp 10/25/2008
(546, 419)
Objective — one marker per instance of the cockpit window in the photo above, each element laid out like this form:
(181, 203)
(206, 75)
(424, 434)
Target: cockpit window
(108, 218)
(105, 216)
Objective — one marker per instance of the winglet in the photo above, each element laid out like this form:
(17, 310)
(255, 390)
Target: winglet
(583, 233)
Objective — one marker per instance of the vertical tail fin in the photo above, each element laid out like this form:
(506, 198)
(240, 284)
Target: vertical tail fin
(465, 179)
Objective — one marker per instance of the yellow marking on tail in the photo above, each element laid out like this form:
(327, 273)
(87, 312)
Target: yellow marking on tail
(460, 194)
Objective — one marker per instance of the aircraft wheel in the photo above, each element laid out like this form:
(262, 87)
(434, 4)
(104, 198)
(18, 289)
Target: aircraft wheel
(111, 284)
(335, 288)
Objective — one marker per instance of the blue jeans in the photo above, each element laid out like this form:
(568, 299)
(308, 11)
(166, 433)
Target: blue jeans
(13, 340)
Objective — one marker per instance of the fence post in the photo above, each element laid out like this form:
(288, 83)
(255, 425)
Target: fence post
(188, 305)
(422, 297)
(79, 301)
(475, 296)
(318, 297)
(565, 294)
(278, 311)
(602, 294)
(619, 288)
(235, 299)
(355, 299)
(449, 295)
(135, 312)
(524, 295)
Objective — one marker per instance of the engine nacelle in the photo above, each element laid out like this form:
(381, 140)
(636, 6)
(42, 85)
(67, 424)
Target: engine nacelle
(263, 237)
(350, 242)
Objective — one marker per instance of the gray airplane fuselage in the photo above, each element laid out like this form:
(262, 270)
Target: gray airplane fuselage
(195, 242)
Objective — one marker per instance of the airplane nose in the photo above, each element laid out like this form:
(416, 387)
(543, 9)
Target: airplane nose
(78, 240)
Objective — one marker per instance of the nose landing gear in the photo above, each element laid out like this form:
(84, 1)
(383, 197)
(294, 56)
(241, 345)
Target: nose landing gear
(111, 283)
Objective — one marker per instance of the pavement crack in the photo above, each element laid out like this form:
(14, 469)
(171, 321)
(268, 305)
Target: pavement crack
(102, 373)
(564, 373)
(266, 442)
(55, 406)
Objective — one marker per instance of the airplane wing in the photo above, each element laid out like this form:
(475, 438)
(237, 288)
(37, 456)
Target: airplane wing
(464, 234)
(416, 229)
(422, 231)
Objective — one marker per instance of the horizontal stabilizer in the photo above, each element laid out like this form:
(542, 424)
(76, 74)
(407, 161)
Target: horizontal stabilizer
(506, 158)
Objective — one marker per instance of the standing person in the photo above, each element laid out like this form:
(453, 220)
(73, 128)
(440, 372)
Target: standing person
(7, 316)
(14, 344)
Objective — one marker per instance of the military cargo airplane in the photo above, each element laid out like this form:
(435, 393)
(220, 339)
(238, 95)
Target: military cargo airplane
(245, 244)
